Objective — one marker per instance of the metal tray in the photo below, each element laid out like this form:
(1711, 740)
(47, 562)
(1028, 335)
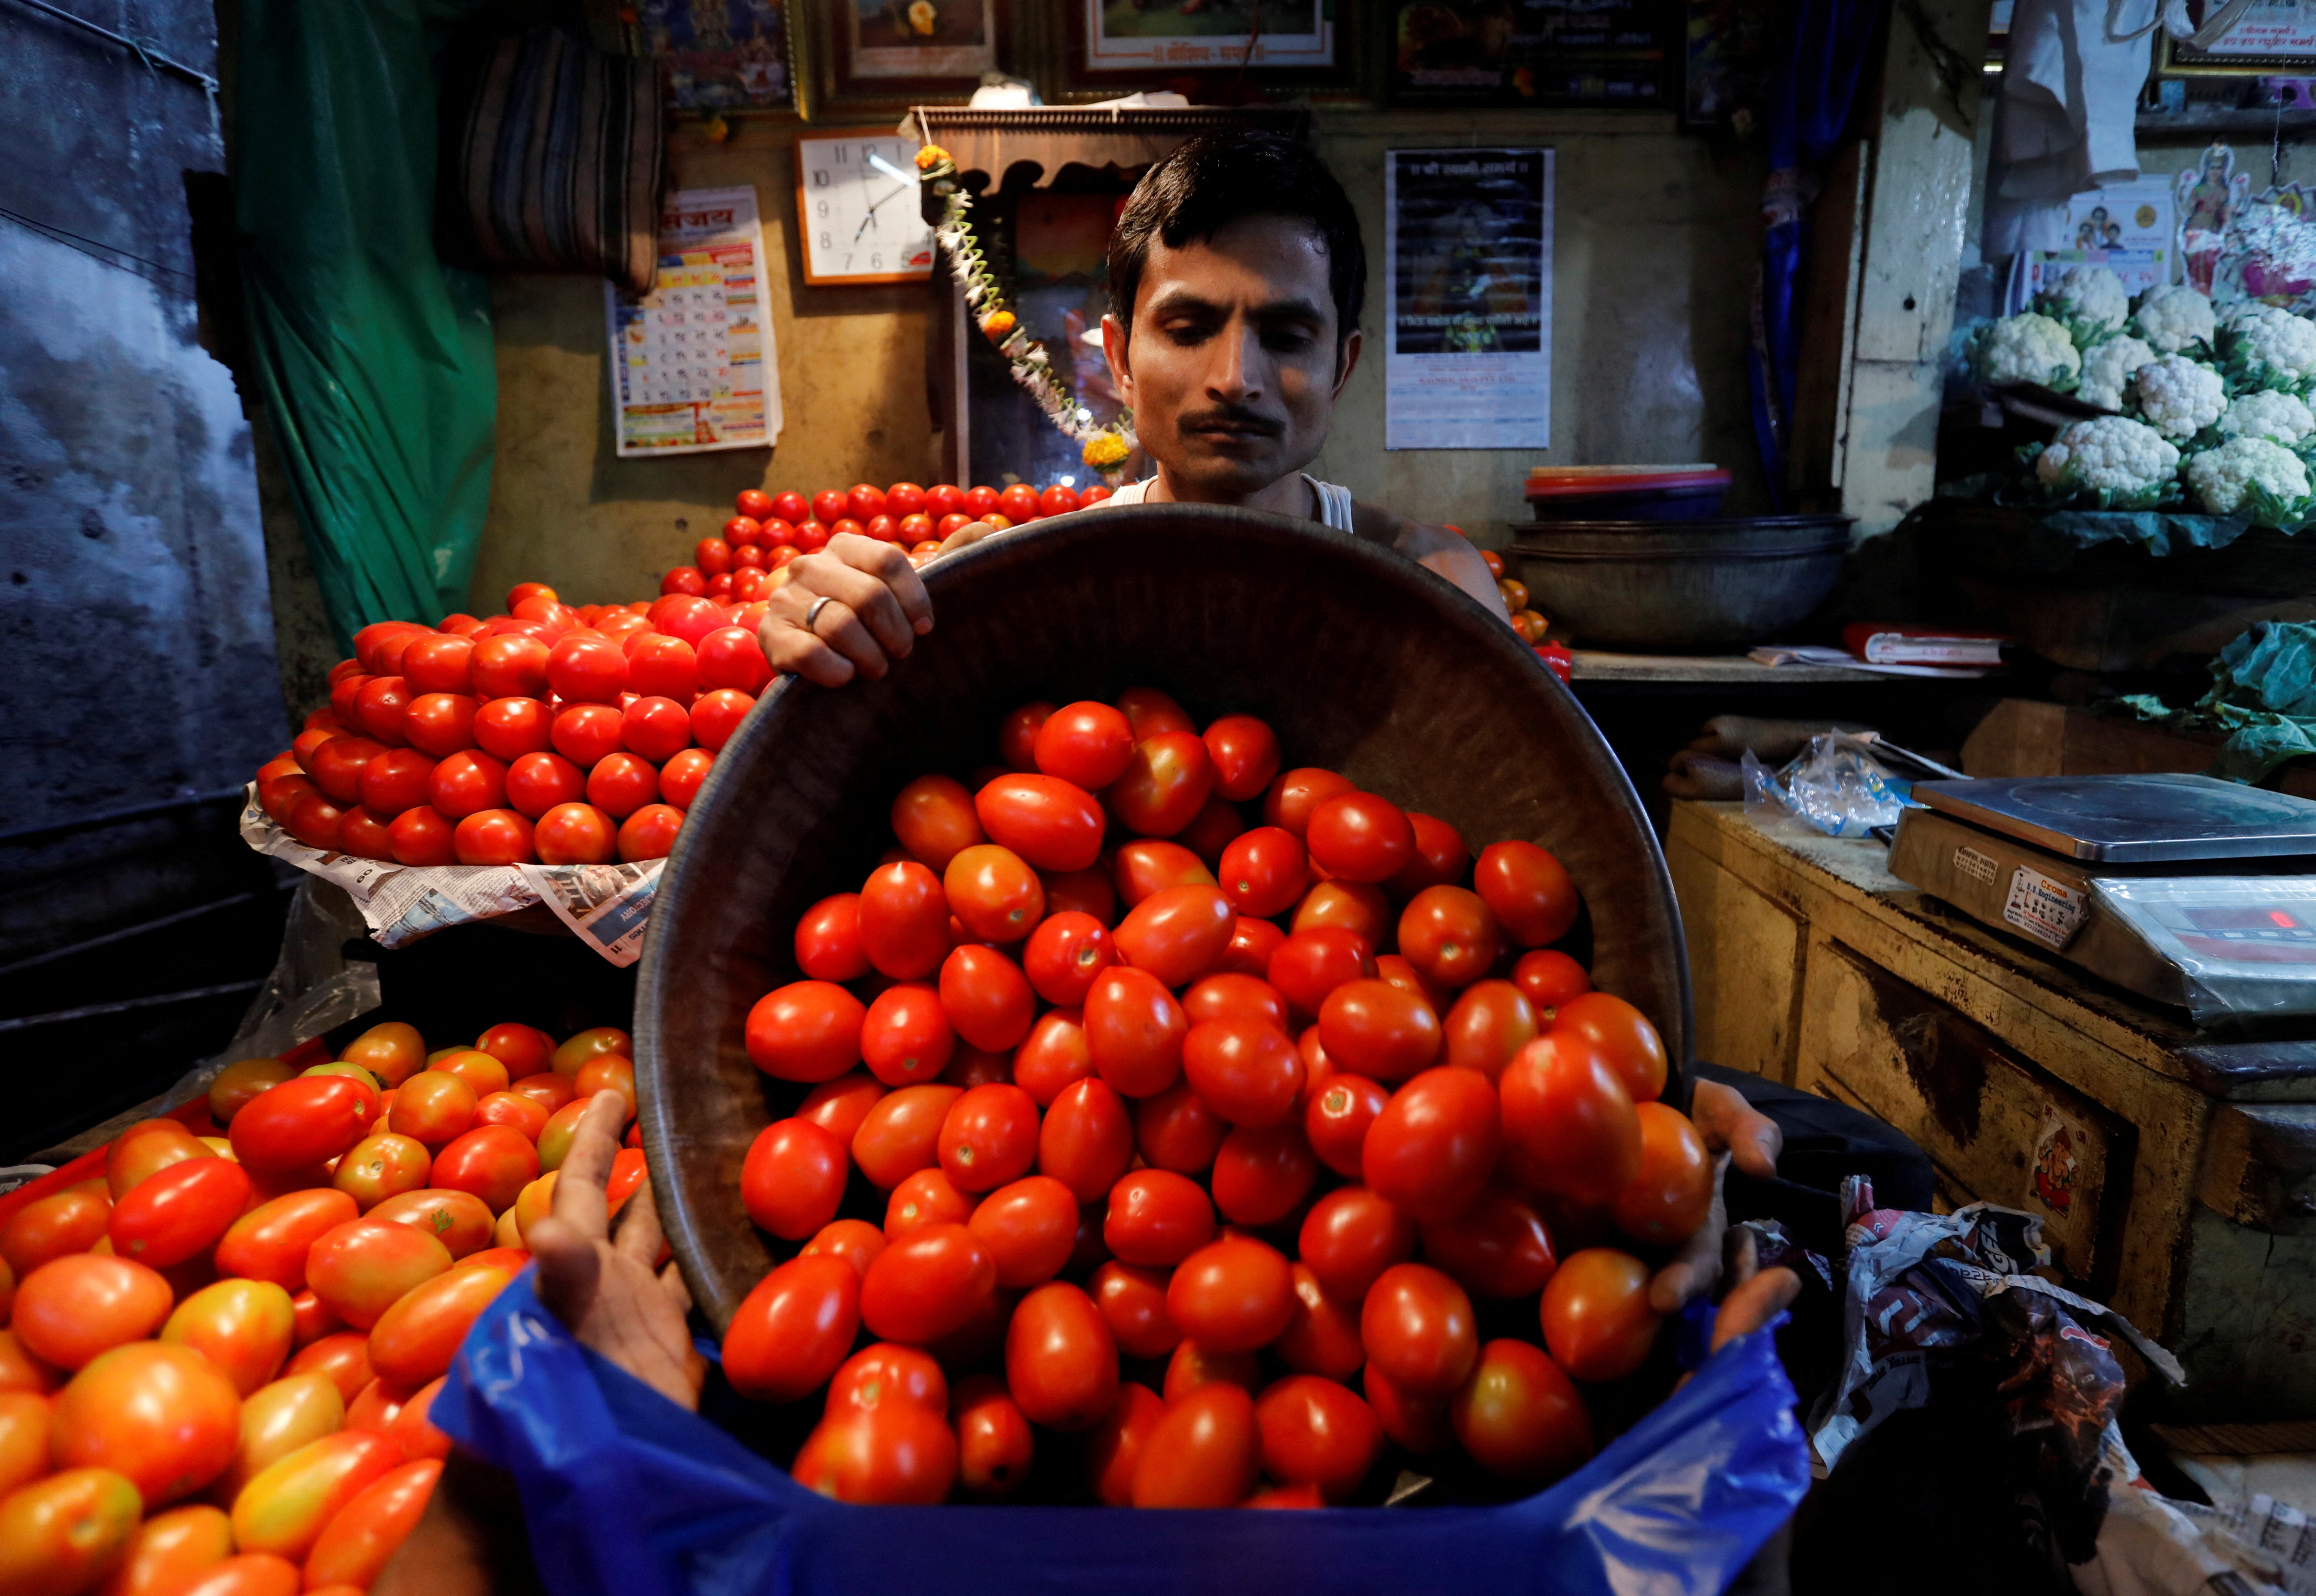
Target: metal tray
(2141, 818)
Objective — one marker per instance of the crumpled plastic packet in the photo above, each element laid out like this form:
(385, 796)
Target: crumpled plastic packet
(2153, 1545)
(1835, 785)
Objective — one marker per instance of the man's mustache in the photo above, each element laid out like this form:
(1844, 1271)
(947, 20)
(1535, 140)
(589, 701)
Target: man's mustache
(1232, 415)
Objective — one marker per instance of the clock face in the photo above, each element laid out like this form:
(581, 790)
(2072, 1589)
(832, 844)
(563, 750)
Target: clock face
(858, 211)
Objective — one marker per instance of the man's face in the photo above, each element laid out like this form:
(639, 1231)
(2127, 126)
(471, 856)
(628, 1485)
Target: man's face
(1232, 370)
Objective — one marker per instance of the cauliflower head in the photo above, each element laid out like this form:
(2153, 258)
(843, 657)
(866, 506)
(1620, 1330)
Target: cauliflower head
(2261, 336)
(2172, 315)
(2178, 396)
(2243, 469)
(2126, 463)
(2108, 366)
(2280, 418)
(2092, 295)
(2028, 349)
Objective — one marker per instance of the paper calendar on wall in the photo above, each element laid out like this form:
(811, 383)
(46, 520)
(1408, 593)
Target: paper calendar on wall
(694, 366)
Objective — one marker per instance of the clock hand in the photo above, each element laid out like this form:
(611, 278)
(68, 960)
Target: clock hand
(890, 170)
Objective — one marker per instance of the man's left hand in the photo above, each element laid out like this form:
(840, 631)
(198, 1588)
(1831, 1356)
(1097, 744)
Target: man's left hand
(1734, 1131)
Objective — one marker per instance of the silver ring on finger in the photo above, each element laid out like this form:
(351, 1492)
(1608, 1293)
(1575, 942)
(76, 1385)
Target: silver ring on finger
(812, 616)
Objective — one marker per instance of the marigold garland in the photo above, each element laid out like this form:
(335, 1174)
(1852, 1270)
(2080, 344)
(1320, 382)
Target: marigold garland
(1104, 448)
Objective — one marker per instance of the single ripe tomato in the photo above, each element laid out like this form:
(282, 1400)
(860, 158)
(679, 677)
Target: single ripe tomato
(1061, 1358)
(906, 1037)
(1548, 979)
(1439, 859)
(989, 1137)
(421, 836)
(1322, 1336)
(1052, 823)
(856, 1241)
(1528, 890)
(354, 1547)
(884, 1375)
(986, 997)
(586, 669)
(1569, 1124)
(1233, 1295)
(896, 1456)
(806, 1031)
(70, 1309)
(662, 667)
(1204, 1450)
(901, 1133)
(1349, 1237)
(1373, 1028)
(1030, 1227)
(1063, 955)
(178, 1212)
(433, 1107)
(1491, 1022)
(1417, 1326)
(1293, 795)
(1623, 1035)
(1449, 936)
(396, 780)
(363, 1268)
(1148, 865)
(1264, 872)
(926, 1197)
(271, 1241)
(506, 728)
(657, 728)
(1598, 1323)
(928, 1284)
(1086, 1140)
(1252, 942)
(1165, 785)
(933, 817)
(300, 1122)
(1017, 734)
(1245, 754)
(1156, 1219)
(1519, 1416)
(1151, 712)
(1179, 1130)
(1261, 1176)
(994, 1444)
(1431, 1149)
(1673, 1192)
(793, 1330)
(1114, 1447)
(828, 939)
(414, 1340)
(904, 920)
(1134, 1030)
(1358, 837)
(1088, 744)
(716, 718)
(1498, 1247)
(1247, 1070)
(1354, 906)
(995, 893)
(1133, 1302)
(1317, 1433)
(649, 833)
(1337, 1114)
(1309, 966)
(66, 1532)
(1177, 935)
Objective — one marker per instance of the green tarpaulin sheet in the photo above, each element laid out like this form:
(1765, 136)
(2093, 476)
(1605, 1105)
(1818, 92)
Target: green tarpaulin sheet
(374, 358)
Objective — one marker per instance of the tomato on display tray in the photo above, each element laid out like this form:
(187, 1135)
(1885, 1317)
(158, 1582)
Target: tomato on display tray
(1165, 785)
(1178, 1130)
(159, 1415)
(1598, 1323)
(1623, 1037)
(1204, 1450)
(680, 777)
(1156, 1219)
(1086, 1140)
(1519, 1416)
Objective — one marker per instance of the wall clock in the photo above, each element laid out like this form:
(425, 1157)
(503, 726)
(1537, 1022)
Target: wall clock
(858, 211)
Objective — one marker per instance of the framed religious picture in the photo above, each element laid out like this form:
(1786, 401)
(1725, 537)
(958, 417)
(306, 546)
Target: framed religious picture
(873, 53)
(1725, 62)
(1611, 54)
(2263, 37)
(721, 54)
(1121, 44)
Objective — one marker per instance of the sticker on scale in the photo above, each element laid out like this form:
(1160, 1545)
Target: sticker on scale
(2050, 911)
(1980, 867)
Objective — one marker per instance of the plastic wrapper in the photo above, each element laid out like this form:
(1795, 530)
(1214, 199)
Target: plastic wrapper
(624, 1493)
(1835, 785)
(2232, 947)
(2151, 1545)
(605, 906)
(1925, 1291)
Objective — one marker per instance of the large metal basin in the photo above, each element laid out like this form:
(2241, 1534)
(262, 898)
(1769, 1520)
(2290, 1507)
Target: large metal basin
(1665, 587)
(1362, 661)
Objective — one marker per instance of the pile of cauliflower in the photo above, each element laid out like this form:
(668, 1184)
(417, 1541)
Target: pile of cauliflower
(2212, 410)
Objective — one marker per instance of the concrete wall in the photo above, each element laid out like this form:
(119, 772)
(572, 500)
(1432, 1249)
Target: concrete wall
(134, 608)
(1655, 241)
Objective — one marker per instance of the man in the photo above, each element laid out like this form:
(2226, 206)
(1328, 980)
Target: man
(1236, 277)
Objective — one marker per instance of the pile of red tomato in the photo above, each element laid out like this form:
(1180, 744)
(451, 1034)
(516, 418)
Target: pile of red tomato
(217, 1358)
(550, 735)
(1217, 1193)
(768, 530)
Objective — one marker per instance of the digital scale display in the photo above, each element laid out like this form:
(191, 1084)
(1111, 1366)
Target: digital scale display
(2245, 933)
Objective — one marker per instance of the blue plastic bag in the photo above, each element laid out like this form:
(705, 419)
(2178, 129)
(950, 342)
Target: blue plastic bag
(627, 1495)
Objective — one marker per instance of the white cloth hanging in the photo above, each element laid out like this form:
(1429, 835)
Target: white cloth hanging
(2063, 118)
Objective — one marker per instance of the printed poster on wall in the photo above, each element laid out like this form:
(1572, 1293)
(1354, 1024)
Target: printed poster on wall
(693, 363)
(2125, 227)
(1468, 275)
(1130, 36)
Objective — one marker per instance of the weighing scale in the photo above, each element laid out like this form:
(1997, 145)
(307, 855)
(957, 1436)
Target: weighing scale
(2190, 891)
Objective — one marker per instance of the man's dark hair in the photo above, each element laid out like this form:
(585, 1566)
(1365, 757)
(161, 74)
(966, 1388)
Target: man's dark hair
(1218, 178)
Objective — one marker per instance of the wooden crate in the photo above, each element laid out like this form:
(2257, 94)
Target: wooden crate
(2176, 1175)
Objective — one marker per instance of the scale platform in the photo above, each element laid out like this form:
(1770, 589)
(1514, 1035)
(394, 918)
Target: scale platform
(2192, 891)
